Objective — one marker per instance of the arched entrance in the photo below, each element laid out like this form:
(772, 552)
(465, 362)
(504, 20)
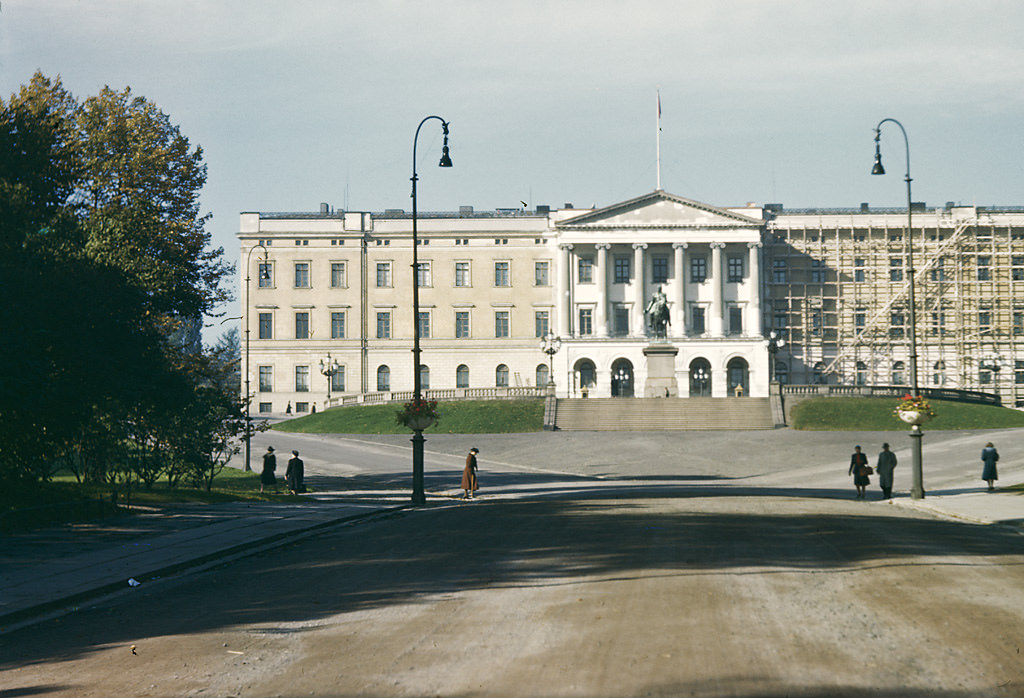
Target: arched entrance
(739, 376)
(622, 378)
(700, 378)
(585, 374)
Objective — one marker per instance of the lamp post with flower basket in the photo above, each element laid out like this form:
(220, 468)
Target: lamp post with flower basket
(915, 411)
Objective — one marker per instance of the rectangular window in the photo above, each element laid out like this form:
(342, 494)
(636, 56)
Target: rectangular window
(780, 321)
(984, 268)
(338, 325)
(817, 271)
(735, 320)
(780, 271)
(302, 325)
(266, 274)
(621, 320)
(302, 379)
(698, 269)
(501, 274)
(860, 318)
(1018, 372)
(897, 323)
(586, 321)
(858, 271)
(383, 274)
(302, 275)
(541, 323)
(585, 274)
(1018, 323)
(938, 323)
(462, 274)
(424, 323)
(461, 324)
(622, 270)
(817, 318)
(938, 272)
(734, 267)
(1017, 271)
(266, 407)
(338, 380)
(384, 325)
(985, 320)
(266, 325)
(501, 328)
(338, 279)
(895, 269)
(659, 270)
(266, 379)
(697, 319)
(422, 274)
(541, 276)
(301, 407)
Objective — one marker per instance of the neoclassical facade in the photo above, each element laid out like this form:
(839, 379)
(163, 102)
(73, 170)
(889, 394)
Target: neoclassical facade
(831, 283)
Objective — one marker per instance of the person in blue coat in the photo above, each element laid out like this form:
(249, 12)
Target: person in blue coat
(989, 456)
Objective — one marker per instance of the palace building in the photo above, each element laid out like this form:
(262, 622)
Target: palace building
(334, 290)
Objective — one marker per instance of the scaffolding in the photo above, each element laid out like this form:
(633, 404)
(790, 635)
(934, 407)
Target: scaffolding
(837, 287)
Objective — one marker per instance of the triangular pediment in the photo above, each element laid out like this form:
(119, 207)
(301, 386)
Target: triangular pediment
(658, 210)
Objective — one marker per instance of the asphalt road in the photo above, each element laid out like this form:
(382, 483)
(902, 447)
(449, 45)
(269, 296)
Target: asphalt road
(580, 577)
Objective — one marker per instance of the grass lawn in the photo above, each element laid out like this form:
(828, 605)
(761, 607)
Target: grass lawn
(64, 500)
(463, 417)
(876, 414)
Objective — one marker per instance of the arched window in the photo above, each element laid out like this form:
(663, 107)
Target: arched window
(383, 378)
(862, 373)
(462, 376)
(897, 373)
(424, 377)
(542, 375)
(501, 376)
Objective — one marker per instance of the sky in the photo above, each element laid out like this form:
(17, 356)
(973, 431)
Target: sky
(552, 102)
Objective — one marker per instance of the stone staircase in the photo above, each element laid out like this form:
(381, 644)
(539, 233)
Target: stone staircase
(661, 414)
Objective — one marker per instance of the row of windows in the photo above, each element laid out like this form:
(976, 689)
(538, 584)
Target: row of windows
(898, 373)
(385, 279)
(937, 272)
(935, 321)
(622, 267)
(337, 378)
(502, 324)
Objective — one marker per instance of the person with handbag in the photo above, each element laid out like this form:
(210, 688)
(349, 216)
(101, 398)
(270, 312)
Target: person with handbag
(860, 470)
(469, 482)
(989, 456)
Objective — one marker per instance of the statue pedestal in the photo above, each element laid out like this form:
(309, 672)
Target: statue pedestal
(661, 371)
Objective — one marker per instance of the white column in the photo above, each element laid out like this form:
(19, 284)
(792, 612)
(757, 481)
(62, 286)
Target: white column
(752, 326)
(602, 290)
(639, 326)
(717, 279)
(679, 305)
(564, 284)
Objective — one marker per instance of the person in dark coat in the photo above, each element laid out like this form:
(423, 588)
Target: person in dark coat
(989, 456)
(859, 470)
(294, 474)
(469, 482)
(885, 467)
(268, 477)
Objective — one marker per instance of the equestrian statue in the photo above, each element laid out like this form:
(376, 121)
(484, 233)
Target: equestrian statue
(657, 312)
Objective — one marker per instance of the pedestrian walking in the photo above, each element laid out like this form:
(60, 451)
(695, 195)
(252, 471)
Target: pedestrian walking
(288, 409)
(295, 473)
(469, 481)
(267, 477)
(885, 467)
(989, 456)
(860, 470)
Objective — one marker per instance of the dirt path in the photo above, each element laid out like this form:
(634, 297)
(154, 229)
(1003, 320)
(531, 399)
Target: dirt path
(724, 596)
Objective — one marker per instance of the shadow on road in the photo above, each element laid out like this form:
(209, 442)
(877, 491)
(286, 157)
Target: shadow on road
(418, 556)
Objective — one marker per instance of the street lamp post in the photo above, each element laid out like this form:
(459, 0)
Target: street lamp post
(775, 342)
(917, 488)
(329, 370)
(418, 494)
(701, 376)
(264, 274)
(550, 344)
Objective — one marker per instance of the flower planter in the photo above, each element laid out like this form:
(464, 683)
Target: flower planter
(419, 422)
(913, 416)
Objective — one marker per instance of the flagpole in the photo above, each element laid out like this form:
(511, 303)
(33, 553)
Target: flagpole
(658, 132)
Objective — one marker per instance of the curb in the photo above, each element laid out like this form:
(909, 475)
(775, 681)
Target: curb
(235, 552)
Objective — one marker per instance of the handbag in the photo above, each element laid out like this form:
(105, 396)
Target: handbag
(866, 470)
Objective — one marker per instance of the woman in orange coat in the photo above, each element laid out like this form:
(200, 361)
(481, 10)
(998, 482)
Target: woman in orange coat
(469, 483)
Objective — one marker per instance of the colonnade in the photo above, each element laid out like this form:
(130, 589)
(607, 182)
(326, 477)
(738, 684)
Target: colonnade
(676, 289)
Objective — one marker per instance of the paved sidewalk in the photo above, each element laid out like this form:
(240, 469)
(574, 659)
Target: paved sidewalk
(58, 568)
